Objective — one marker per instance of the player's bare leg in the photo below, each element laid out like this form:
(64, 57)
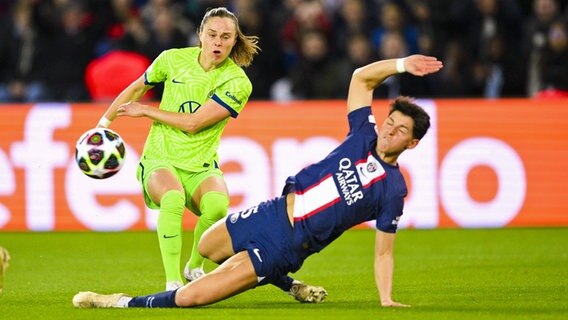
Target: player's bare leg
(4, 259)
(232, 277)
(216, 244)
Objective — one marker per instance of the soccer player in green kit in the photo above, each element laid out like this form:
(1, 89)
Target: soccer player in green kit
(203, 87)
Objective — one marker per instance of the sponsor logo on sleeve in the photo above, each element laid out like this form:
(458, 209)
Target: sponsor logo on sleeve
(232, 97)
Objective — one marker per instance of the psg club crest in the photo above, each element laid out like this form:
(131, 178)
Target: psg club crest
(371, 167)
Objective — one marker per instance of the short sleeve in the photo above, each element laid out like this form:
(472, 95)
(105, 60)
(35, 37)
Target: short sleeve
(389, 215)
(156, 72)
(362, 121)
(233, 94)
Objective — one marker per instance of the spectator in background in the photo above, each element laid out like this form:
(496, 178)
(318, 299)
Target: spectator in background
(71, 50)
(434, 25)
(164, 34)
(491, 29)
(455, 80)
(156, 26)
(5, 7)
(544, 13)
(280, 11)
(116, 18)
(496, 72)
(359, 51)
(554, 61)
(487, 71)
(316, 74)
(392, 20)
(481, 20)
(167, 26)
(22, 48)
(161, 33)
(134, 37)
(393, 46)
(350, 20)
(308, 15)
(268, 66)
(150, 10)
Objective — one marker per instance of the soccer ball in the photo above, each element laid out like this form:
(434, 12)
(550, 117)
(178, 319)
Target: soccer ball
(99, 153)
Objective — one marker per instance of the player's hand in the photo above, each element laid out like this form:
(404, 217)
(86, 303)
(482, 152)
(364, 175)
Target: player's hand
(391, 303)
(420, 65)
(131, 109)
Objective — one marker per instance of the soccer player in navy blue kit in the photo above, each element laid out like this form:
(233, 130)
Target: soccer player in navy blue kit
(358, 181)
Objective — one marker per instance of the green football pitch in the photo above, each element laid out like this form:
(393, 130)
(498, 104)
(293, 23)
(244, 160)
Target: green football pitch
(444, 274)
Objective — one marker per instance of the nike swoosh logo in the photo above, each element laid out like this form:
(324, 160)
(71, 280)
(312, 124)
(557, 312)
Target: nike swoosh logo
(176, 81)
(362, 172)
(257, 253)
(169, 237)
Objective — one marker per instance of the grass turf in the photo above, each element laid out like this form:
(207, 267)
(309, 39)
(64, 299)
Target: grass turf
(443, 274)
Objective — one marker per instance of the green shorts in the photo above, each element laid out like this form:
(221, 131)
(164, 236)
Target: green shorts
(189, 180)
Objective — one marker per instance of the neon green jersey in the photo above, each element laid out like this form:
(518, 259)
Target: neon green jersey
(186, 87)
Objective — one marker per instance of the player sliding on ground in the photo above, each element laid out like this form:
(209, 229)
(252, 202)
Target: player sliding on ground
(358, 181)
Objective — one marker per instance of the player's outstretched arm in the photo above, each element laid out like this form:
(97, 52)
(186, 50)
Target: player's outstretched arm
(365, 79)
(384, 267)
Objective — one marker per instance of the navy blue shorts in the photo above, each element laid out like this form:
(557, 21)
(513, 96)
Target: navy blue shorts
(265, 232)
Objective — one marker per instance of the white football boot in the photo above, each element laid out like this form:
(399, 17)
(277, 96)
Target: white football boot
(173, 285)
(192, 274)
(88, 299)
(306, 293)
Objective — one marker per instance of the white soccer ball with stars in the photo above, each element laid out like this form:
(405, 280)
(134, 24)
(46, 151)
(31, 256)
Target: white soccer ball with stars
(100, 153)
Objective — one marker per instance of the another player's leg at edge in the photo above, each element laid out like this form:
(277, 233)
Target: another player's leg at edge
(4, 259)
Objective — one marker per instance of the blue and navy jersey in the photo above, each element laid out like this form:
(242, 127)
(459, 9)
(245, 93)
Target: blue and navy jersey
(350, 186)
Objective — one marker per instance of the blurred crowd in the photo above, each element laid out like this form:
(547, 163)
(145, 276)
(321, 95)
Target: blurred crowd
(490, 48)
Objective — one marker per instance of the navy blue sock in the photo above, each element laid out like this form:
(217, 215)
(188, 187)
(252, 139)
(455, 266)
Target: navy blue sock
(283, 282)
(166, 299)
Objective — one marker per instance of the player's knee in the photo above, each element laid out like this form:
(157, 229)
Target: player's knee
(213, 207)
(206, 249)
(215, 243)
(204, 245)
(187, 297)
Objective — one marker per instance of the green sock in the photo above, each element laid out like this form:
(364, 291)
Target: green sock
(170, 232)
(213, 207)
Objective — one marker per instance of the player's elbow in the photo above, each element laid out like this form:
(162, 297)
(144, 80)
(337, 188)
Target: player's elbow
(360, 79)
(356, 76)
(191, 127)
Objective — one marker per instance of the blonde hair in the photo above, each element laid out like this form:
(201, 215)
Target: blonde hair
(246, 46)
